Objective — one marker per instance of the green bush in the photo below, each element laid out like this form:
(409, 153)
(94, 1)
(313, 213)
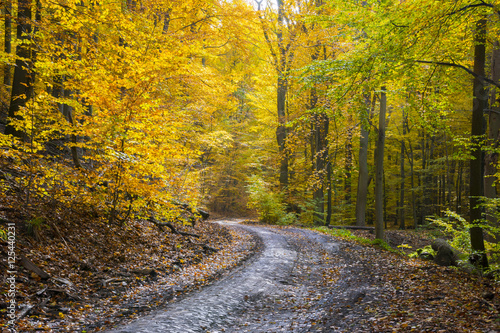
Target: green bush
(425, 249)
(458, 228)
(268, 204)
(455, 226)
(347, 235)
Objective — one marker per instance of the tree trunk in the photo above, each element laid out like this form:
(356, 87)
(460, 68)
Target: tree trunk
(282, 88)
(348, 167)
(318, 165)
(329, 194)
(491, 158)
(431, 179)
(459, 187)
(449, 173)
(422, 180)
(22, 85)
(320, 159)
(402, 172)
(476, 175)
(362, 192)
(412, 184)
(379, 169)
(7, 41)
(68, 113)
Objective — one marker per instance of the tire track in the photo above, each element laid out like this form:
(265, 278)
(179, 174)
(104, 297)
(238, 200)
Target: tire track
(218, 305)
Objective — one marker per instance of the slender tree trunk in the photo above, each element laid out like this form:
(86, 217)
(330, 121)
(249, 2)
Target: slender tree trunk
(402, 172)
(22, 85)
(476, 175)
(7, 42)
(166, 20)
(318, 162)
(379, 169)
(459, 187)
(362, 192)
(412, 184)
(282, 88)
(347, 168)
(68, 113)
(329, 194)
(422, 180)
(449, 173)
(431, 179)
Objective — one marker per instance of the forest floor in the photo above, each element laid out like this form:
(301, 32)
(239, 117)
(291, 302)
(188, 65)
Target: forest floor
(415, 295)
(103, 274)
(100, 273)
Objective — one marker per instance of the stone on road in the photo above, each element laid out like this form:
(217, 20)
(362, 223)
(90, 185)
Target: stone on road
(269, 293)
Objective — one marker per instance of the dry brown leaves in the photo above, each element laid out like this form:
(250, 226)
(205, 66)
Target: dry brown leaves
(419, 296)
(102, 273)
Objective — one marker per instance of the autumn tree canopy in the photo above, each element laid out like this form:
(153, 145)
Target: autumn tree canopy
(137, 108)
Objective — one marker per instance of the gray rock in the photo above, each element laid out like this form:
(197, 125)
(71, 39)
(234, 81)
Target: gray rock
(445, 254)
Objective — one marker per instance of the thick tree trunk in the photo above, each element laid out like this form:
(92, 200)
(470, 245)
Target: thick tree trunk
(491, 158)
(22, 85)
(476, 175)
(379, 169)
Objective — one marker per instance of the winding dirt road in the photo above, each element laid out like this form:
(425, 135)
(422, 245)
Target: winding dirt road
(292, 285)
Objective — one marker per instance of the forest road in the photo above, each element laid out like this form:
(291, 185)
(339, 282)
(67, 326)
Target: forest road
(293, 285)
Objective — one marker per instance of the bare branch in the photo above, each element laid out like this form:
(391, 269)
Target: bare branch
(450, 64)
(476, 5)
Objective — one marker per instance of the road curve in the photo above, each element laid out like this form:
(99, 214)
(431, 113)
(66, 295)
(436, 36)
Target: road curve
(239, 302)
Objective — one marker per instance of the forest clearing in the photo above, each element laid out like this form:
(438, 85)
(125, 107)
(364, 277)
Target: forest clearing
(371, 125)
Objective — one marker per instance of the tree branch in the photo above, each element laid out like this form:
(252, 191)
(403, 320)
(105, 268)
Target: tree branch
(450, 64)
(268, 41)
(481, 4)
(171, 227)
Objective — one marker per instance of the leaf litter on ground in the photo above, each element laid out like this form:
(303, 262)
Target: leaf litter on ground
(102, 274)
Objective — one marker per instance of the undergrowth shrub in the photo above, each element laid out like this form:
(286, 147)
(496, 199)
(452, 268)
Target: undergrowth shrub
(268, 204)
(347, 235)
(457, 228)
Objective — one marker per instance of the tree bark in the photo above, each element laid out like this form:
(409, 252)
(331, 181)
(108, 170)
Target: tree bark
(68, 113)
(362, 192)
(412, 184)
(320, 162)
(282, 87)
(22, 85)
(7, 41)
(476, 176)
(402, 172)
(491, 158)
(379, 169)
(329, 194)
(348, 167)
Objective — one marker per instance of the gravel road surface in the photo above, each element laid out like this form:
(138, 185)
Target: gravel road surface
(292, 285)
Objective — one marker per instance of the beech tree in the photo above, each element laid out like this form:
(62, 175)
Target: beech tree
(22, 84)
(133, 107)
